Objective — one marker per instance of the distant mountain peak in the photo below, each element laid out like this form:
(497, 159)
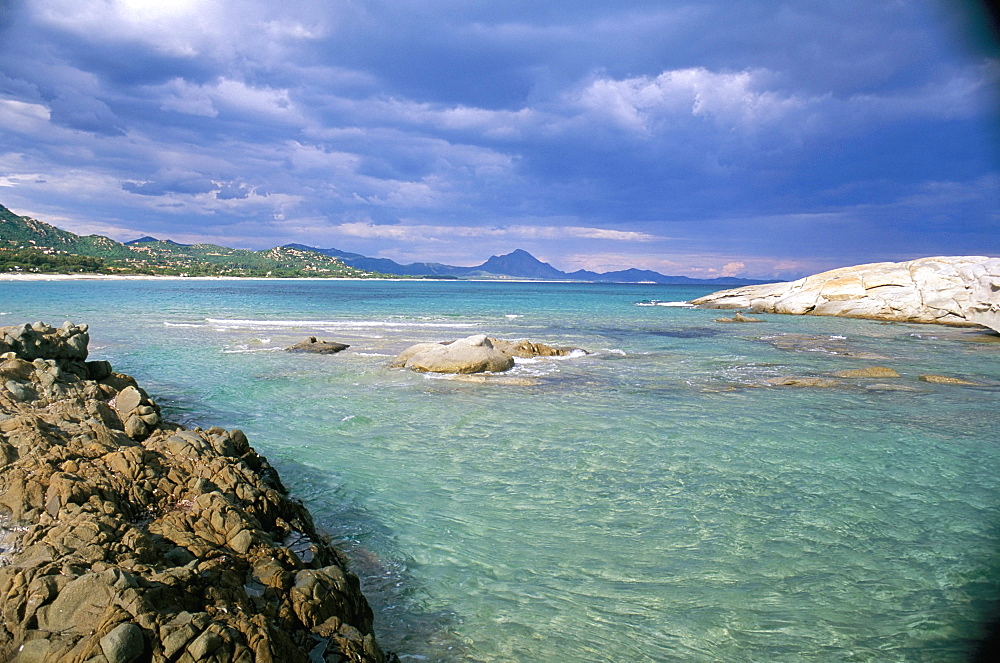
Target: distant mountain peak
(521, 264)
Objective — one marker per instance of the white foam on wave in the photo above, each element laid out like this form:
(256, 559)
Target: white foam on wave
(574, 354)
(334, 324)
(245, 349)
(373, 354)
(656, 302)
(513, 316)
(181, 324)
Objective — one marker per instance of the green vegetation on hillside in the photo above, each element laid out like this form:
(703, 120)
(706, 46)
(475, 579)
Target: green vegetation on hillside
(29, 245)
(33, 260)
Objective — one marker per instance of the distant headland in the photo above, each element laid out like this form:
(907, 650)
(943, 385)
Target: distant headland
(35, 247)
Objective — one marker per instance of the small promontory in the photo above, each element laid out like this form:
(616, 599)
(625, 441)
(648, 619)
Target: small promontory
(126, 538)
(945, 290)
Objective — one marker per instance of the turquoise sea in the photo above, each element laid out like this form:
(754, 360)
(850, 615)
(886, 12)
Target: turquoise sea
(653, 500)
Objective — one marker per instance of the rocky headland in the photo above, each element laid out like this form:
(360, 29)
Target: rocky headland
(944, 290)
(127, 538)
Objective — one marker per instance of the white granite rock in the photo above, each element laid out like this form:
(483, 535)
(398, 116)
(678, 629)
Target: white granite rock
(962, 290)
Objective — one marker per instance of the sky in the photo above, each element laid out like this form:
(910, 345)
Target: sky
(755, 138)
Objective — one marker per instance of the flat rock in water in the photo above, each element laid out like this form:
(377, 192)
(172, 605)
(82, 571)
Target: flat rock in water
(314, 345)
(797, 381)
(962, 290)
(946, 379)
(867, 372)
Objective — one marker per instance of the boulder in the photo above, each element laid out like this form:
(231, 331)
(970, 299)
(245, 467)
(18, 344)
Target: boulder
(962, 290)
(474, 354)
(316, 346)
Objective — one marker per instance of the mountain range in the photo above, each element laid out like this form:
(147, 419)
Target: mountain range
(517, 264)
(27, 244)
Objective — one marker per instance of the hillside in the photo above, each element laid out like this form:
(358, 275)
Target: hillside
(29, 245)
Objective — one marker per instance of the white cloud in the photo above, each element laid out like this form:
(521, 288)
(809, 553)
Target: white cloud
(417, 232)
(246, 98)
(732, 99)
(23, 117)
(173, 27)
(182, 97)
(696, 265)
(732, 268)
(748, 101)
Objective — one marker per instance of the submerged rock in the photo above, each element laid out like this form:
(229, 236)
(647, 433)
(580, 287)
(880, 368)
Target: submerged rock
(739, 317)
(948, 290)
(867, 372)
(832, 345)
(127, 538)
(946, 379)
(802, 381)
(314, 345)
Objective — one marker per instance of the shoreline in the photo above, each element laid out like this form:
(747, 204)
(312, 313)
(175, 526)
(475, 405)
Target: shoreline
(8, 276)
(126, 537)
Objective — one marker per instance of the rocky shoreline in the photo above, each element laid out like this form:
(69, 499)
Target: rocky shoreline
(127, 538)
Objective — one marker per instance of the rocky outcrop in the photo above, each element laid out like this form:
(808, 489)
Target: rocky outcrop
(474, 354)
(316, 346)
(947, 290)
(530, 349)
(126, 538)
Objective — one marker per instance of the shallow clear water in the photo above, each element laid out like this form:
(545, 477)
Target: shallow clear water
(650, 501)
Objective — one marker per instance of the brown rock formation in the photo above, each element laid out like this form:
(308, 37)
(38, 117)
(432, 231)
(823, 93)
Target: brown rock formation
(125, 538)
